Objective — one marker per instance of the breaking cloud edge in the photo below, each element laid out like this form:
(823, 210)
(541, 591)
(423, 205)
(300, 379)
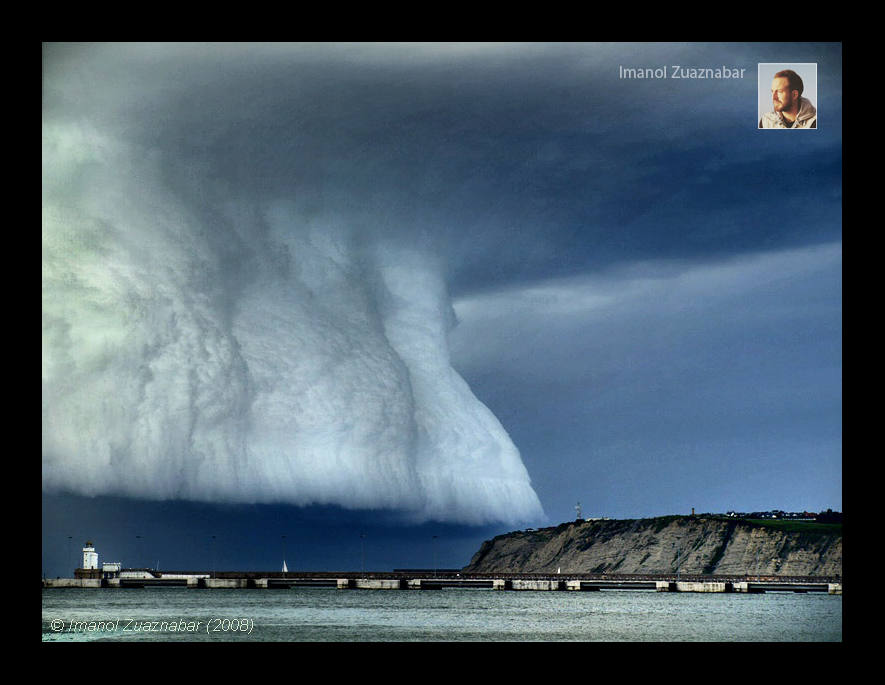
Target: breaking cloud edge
(249, 354)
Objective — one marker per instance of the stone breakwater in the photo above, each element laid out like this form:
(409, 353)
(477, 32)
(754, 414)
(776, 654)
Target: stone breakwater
(690, 545)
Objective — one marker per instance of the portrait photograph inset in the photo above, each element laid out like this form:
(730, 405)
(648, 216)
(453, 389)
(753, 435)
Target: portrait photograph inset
(787, 96)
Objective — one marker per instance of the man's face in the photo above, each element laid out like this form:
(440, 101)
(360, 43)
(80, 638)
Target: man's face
(781, 95)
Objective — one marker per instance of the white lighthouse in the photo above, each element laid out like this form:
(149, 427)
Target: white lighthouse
(90, 556)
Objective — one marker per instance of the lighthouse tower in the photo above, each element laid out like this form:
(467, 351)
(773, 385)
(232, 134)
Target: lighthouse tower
(90, 556)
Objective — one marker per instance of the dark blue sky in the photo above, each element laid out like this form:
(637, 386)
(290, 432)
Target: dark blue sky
(253, 255)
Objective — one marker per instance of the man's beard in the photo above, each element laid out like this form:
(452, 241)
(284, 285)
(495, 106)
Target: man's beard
(784, 107)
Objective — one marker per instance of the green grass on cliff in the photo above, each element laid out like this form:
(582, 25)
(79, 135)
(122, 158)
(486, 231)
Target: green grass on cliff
(799, 526)
(661, 522)
(814, 527)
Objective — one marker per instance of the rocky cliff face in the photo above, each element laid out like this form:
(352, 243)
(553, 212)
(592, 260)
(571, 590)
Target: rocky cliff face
(662, 545)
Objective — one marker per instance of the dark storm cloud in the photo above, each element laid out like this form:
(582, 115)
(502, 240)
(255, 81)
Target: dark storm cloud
(412, 173)
(534, 158)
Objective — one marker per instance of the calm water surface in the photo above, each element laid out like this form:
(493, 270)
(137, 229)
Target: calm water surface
(475, 615)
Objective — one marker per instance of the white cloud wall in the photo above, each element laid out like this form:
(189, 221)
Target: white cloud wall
(314, 369)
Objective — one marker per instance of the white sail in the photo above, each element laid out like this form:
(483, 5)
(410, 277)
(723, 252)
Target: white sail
(285, 569)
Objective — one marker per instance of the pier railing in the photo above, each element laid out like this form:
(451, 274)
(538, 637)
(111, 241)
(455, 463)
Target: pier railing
(422, 579)
(416, 575)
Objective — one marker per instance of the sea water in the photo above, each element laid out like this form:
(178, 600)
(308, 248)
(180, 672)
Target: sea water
(457, 615)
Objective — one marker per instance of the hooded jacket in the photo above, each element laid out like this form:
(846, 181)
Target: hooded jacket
(807, 117)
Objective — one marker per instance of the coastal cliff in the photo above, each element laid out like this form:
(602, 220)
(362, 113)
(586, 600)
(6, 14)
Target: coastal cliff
(702, 545)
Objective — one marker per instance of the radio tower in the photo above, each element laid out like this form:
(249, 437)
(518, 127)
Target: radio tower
(578, 510)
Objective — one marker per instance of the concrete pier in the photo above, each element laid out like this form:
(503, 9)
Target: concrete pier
(702, 587)
(379, 584)
(72, 582)
(416, 581)
(427, 584)
(538, 584)
(223, 583)
(693, 586)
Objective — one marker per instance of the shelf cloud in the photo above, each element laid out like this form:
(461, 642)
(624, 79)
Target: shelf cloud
(219, 327)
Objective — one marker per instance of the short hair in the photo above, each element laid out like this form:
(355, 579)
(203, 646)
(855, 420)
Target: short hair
(793, 78)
